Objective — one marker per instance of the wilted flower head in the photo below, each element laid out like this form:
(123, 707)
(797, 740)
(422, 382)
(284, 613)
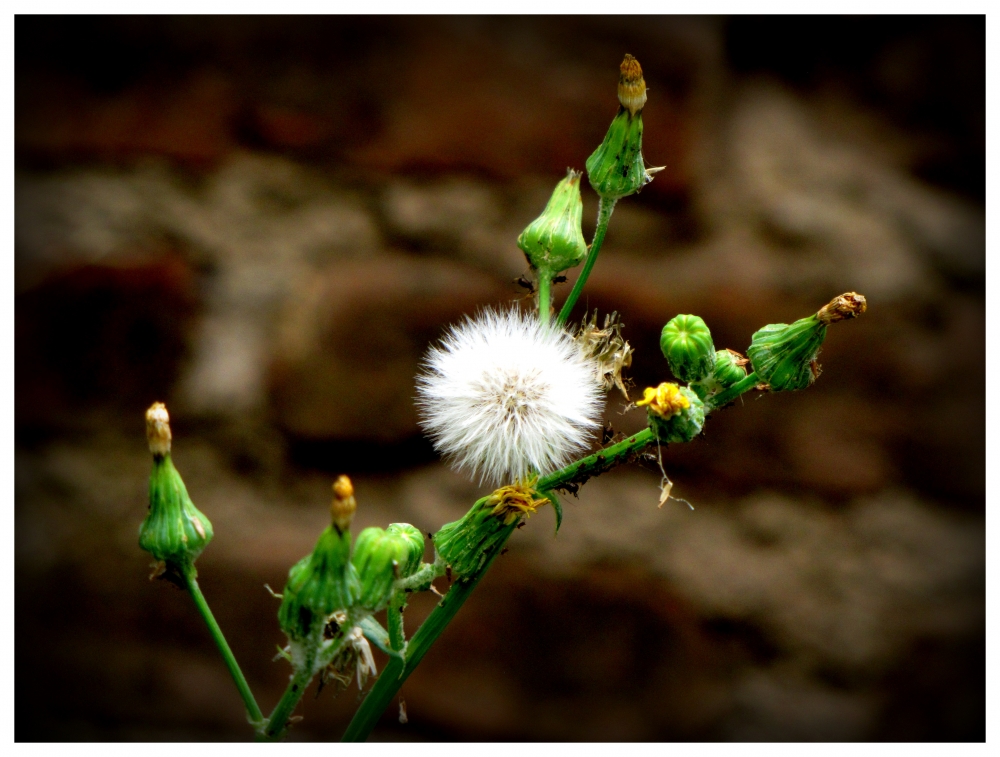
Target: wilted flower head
(505, 397)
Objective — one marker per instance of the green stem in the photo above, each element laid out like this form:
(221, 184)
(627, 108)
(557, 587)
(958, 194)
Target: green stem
(278, 722)
(396, 671)
(724, 398)
(253, 711)
(394, 620)
(598, 463)
(604, 210)
(544, 296)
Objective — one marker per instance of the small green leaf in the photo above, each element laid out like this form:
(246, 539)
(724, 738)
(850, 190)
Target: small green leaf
(556, 506)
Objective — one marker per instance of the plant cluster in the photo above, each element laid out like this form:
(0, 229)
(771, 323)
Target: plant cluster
(511, 398)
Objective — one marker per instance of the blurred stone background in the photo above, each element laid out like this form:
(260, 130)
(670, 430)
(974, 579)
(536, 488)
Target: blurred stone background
(265, 221)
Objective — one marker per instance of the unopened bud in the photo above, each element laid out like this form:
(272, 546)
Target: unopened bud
(729, 369)
(412, 541)
(554, 241)
(377, 557)
(631, 85)
(687, 345)
(343, 506)
(158, 429)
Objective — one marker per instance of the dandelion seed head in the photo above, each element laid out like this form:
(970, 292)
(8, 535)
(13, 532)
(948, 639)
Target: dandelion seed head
(504, 397)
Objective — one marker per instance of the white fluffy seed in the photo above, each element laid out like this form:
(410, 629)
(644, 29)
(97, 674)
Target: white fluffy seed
(504, 397)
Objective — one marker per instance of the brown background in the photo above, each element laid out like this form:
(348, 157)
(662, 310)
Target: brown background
(265, 221)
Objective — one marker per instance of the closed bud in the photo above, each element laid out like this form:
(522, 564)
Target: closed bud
(616, 168)
(319, 585)
(676, 413)
(377, 558)
(554, 241)
(687, 345)
(729, 369)
(413, 547)
(174, 530)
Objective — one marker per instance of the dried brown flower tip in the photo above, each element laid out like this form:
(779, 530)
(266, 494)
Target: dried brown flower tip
(343, 506)
(631, 85)
(158, 429)
(848, 305)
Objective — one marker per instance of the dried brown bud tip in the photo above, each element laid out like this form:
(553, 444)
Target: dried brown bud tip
(848, 305)
(158, 429)
(631, 85)
(343, 505)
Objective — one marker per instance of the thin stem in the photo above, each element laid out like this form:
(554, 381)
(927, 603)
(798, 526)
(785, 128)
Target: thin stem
(604, 210)
(396, 671)
(724, 398)
(544, 296)
(253, 711)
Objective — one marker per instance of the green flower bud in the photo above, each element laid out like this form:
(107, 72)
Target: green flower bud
(784, 355)
(174, 530)
(616, 168)
(319, 585)
(687, 345)
(676, 413)
(378, 556)
(554, 241)
(729, 369)
(413, 547)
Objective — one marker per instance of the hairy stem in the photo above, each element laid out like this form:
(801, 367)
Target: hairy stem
(724, 398)
(253, 711)
(604, 211)
(397, 671)
(394, 620)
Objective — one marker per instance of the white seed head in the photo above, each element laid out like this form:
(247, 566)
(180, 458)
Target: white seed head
(505, 397)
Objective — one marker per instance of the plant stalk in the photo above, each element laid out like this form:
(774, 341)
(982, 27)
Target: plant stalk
(544, 296)
(724, 398)
(604, 210)
(253, 711)
(396, 671)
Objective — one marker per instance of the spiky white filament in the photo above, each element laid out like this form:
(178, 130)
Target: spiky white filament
(504, 397)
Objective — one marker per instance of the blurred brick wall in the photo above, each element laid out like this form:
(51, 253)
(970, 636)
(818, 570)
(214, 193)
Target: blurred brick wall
(264, 222)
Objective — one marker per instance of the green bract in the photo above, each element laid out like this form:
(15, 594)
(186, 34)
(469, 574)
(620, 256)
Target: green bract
(464, 543)
(174, 529)
(554, 241)
(378, 556)
(319, 584)
(727, 372)
(687, 345)
(782, 355)
(616, 168)
(685, 425)
(413, 547)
